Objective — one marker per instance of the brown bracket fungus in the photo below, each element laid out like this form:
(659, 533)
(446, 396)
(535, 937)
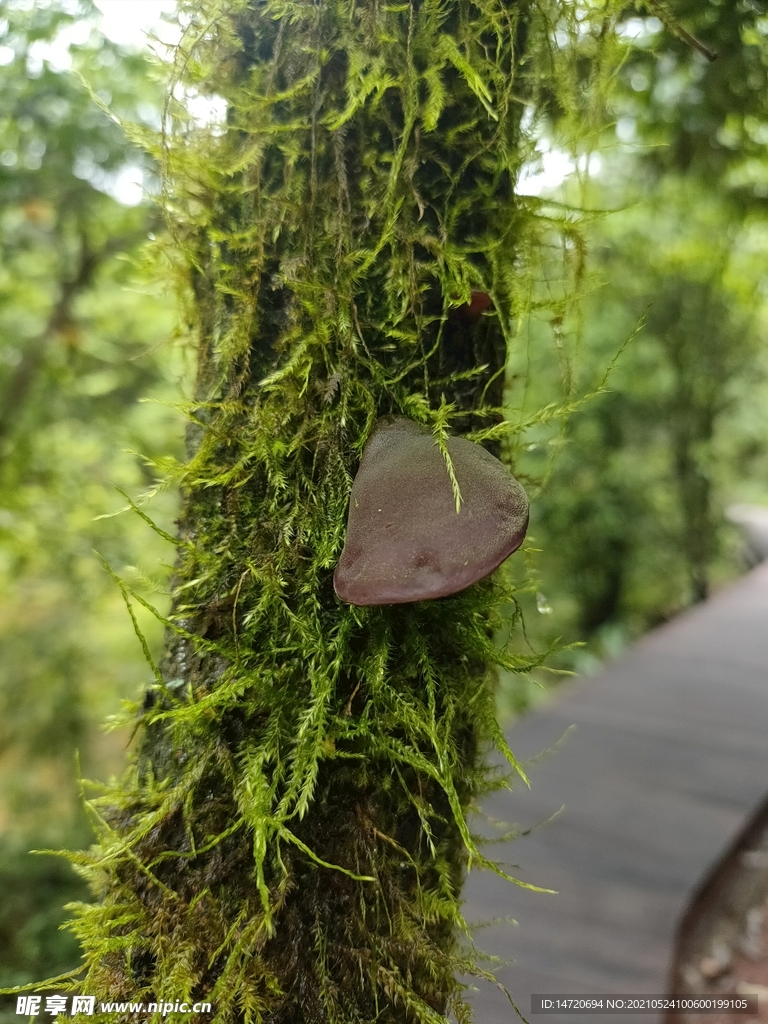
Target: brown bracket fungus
(471, 311)
(405, 540)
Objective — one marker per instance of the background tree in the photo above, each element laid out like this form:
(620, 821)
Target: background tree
(632, 522)
(81, 339)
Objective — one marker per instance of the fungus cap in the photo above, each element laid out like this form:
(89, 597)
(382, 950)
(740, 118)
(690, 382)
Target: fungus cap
(405, 540)
(471, 311)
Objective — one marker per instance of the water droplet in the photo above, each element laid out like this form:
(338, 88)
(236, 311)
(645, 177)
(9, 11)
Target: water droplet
(543, 604)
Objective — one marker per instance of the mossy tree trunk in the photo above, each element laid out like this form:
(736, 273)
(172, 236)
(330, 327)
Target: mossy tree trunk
(291, 840)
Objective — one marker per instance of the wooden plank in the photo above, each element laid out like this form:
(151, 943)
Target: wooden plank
(667, 757)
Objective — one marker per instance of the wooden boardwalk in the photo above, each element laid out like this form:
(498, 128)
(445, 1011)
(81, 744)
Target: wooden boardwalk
(667, 757)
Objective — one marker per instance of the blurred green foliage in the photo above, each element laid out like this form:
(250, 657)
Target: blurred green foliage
(84, 336)
(628, 494)
(633, 489)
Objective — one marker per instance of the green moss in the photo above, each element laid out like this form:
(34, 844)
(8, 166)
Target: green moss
(291, 839)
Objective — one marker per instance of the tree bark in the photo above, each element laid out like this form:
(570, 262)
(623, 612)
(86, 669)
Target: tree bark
(291, 840)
